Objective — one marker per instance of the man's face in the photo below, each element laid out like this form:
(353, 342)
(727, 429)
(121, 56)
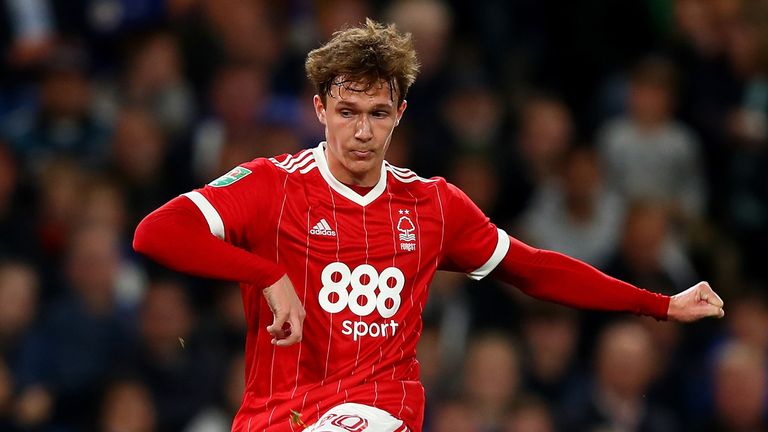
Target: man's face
(358, 128)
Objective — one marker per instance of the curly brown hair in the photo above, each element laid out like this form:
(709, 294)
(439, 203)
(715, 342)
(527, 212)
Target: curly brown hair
(365, 55)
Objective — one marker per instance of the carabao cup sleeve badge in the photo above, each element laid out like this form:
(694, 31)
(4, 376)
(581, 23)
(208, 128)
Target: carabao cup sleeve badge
(227, 179)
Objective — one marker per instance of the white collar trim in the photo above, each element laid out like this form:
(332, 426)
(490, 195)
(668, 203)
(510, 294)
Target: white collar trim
(344, 190)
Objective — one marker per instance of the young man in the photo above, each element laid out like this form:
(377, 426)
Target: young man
(335, 249)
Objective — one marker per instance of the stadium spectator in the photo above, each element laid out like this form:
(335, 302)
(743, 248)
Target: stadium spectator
(492, 379)
(139, 162)
(217, 418)
(83, 337)
(550, 367)
(453, 415)
(431, 23)
(182, 374)
(624, 369)
(741, 388)
(647, 139)
(64, 123)
(575, 213)
(238, 96)
(530, 415)
(745, 203)
(544, 133)
(155, 82)
(19, 293)
(57, 203)
(127, 405)
(15, 224)
(648, 253)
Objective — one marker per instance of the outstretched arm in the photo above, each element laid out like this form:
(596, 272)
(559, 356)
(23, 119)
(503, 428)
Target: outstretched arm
(555, 277)
(177, 236)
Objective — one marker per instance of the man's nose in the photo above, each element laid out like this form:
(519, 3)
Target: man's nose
(363, 130)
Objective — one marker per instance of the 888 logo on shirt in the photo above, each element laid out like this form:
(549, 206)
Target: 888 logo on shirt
(363, 290)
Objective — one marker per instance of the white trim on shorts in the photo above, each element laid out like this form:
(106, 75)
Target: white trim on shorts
(354, 417)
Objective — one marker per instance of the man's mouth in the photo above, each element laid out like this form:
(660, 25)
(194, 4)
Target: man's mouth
(362, 154)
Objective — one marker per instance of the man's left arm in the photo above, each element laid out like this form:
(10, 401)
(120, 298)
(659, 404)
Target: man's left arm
(555, 277)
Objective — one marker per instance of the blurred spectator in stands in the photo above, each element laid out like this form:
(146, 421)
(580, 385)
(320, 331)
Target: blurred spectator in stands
(103, 203)
(58, 198)
(15, 221)
(447, 321)
(26, 34)
(238, 98)
(154, 81)
(139, 163)
(18, 309)
(575, 213)
(478, 178)
(474, 131)
(276, 139)
(678, 362)
(82, 338)
(748, 318)
(709, 85)
(248, 30)
(127, 405)
(745, 207)
(226, 326)
(218, 418)
(625, 367)
(551, 368)
(530, 414)
(741, 389)
(182, 373)
(491, 379)
(453, 415)
(744, 332)
(431, 22)
(430, 361)
(646, 153)
(648, 255)
(331, 15)
(6, 398)
(545, 132)
(64, 123)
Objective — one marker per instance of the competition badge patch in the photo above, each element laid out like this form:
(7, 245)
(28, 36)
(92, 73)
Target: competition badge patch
(227, 179)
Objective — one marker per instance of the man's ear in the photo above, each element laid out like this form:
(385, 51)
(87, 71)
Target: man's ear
(319, 108)
(400, 111)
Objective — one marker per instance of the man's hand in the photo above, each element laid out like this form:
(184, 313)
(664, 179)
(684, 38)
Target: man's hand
(698, 301)
(287, 310)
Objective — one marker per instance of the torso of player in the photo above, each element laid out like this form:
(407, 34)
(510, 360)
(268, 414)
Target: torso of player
(361, 266)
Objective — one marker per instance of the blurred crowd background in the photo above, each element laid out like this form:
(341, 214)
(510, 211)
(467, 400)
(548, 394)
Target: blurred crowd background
(629, 134)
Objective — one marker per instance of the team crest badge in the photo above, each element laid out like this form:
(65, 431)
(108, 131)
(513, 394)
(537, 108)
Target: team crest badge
(406, 228)
(227, 179)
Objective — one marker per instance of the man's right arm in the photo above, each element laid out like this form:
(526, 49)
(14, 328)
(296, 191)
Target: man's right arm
(177, 236)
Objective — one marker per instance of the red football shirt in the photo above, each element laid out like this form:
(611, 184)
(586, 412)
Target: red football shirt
(360, 264)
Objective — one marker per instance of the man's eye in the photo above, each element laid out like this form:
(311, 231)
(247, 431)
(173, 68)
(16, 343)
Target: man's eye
(380, 114)
(345, 113)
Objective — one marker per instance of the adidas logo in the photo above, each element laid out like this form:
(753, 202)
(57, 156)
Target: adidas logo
(322, 228)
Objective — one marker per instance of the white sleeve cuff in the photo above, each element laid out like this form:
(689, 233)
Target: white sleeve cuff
(213, 218)
(502, 246)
